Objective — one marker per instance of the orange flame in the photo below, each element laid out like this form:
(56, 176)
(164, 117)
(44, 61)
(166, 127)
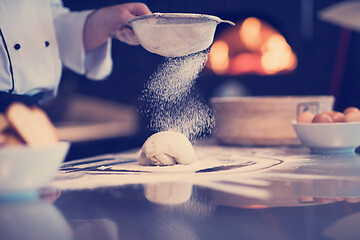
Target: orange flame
(219, 57)
(262, 51)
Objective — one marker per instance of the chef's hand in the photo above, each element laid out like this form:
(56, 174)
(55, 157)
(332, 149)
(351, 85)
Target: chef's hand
(123, 31)
(112, 21)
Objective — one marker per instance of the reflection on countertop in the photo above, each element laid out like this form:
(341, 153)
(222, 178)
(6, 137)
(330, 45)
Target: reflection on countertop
(207, 214)
(35, 219)
(307, 197)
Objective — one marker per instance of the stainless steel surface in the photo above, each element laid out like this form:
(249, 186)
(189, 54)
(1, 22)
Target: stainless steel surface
(286, 193)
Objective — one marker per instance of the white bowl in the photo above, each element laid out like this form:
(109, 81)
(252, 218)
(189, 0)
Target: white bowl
(25, 168)
(333, 138)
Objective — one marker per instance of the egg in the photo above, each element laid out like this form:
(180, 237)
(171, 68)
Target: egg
(350, 109)
(352, 117)
(305, 117)
(322, 118)
(337, 116)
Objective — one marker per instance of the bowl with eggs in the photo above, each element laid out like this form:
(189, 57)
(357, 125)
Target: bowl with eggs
(263, 120)
(329, 132)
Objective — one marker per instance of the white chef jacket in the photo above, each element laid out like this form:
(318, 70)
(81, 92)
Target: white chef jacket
(38, 37)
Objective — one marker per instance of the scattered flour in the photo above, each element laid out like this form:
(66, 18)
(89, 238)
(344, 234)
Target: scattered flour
(171, 100)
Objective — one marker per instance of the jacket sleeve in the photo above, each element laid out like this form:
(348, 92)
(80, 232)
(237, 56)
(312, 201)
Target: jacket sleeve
(96, 64)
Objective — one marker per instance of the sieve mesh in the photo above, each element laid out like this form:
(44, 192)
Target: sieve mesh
(174, 35)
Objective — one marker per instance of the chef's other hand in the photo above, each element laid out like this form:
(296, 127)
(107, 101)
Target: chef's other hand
(112, 21)
(123, 31)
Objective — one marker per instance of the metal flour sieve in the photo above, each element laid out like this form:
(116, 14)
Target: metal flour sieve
(175, 34)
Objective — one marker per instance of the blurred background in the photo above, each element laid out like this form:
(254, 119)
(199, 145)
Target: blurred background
(277, 47)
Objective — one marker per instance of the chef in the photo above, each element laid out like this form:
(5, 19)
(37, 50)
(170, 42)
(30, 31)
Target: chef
(39, 37)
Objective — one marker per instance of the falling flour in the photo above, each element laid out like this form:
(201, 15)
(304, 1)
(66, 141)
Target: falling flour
(171, 100)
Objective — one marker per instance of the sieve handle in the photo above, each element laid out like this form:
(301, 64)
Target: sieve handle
(227, 21)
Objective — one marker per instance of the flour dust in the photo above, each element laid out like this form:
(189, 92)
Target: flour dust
(171, 100)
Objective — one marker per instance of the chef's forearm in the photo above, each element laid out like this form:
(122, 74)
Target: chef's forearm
(97, 30)
(102, 24)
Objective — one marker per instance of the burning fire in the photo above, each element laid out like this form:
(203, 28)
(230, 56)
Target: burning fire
(219, 57)
(255, 48)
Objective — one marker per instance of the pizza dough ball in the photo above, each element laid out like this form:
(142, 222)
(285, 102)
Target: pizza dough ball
(167, 148)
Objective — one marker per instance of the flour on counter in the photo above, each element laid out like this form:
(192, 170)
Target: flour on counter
(231, 170)
(282, 174)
